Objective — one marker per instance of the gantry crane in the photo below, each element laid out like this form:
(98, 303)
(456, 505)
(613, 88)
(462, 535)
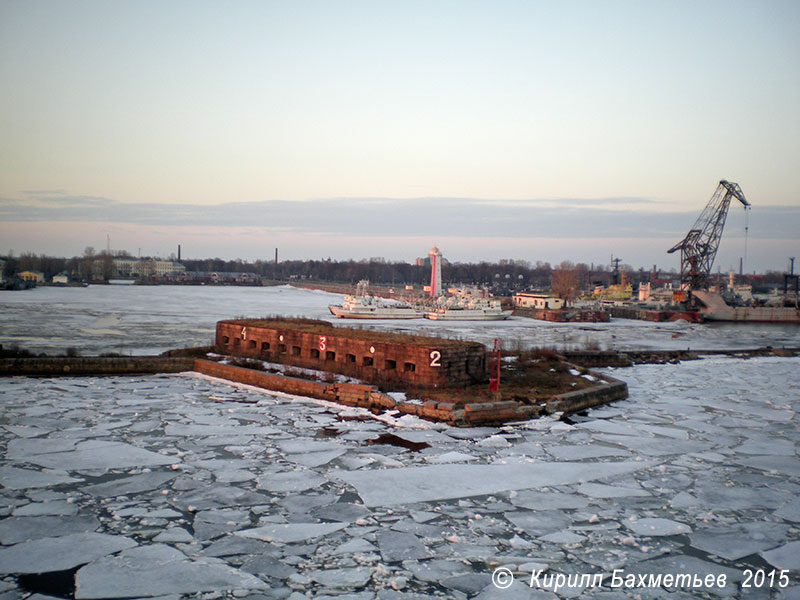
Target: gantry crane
(700, 245)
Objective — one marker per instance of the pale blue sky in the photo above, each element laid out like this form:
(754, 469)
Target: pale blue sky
(147, 106)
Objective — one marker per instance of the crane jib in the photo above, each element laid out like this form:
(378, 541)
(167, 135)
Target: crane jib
(699, 247)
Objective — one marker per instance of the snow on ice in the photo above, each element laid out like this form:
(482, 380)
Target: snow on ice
(149, 487)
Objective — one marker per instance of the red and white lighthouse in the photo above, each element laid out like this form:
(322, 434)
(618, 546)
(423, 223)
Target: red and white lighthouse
(436, 272)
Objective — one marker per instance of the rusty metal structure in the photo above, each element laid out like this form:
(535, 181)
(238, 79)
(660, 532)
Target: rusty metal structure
(699, 247)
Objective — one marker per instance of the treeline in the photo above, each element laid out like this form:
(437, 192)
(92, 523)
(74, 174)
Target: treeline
(505, 274)
(512, 274)
(78, 267)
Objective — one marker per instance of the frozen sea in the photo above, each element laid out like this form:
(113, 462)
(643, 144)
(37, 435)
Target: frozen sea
(184, 486)
(151, 319)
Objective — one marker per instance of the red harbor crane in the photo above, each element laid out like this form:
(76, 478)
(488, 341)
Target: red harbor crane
(699, 247)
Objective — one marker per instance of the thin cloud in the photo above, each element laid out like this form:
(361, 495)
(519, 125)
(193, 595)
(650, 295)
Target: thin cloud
(433, 217)
(44, 192)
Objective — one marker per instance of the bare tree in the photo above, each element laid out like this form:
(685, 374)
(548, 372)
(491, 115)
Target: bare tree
(86, 267)
(564, 281)
(108, 265)
(28, 261)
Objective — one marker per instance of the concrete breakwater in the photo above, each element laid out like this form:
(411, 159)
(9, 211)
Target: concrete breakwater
(627, 358)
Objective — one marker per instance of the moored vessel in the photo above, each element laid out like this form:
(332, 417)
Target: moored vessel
(468, 308)
(365, 306)
(716, 309)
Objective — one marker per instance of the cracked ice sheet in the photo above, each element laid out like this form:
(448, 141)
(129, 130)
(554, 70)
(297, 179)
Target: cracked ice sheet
(408, 485)
(599, 490)
(13, 478)
(97, 454)
(784, 557)
(654, 526)
(158, 570)
(134, 484)
(21, 529)
(790, 511)
(290, 481)
(580, 452)
(783, 465)
(222, 429)
(47, 508)
(651, 446)
(47, 555)
(738, 540)
(288, 533)
(690, 565)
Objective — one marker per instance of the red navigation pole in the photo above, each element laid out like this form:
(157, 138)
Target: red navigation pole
(494, 382)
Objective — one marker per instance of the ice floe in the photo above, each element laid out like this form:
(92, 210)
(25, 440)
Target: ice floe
(46, 555)
(158, 570)
(288, 533)
(441, 482)
(284, 497)
(657, 526)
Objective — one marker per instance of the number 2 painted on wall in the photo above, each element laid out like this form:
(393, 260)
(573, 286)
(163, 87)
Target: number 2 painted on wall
(323, 343)
(436, 358)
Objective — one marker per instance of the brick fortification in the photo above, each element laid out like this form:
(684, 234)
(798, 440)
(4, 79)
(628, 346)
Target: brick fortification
(372, 356)
(366, 354)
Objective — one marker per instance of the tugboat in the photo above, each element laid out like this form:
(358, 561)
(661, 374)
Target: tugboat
(365, 306)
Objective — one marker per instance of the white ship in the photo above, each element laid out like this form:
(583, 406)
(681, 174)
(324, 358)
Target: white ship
(365, 306)
(468, 308)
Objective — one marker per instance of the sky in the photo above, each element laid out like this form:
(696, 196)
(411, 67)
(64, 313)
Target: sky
(530, 130)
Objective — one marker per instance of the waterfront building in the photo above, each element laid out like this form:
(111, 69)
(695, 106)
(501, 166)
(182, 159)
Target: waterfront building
(537, 300)
(146, 267)
(36, 277)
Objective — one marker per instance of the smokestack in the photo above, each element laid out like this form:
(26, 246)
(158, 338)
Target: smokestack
(179, 253)
(741, 265)
(276, 256)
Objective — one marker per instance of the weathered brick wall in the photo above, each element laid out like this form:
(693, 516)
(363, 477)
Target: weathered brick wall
(281, 383)
(351, 394)
(578, 400)
(598, 358)
(570, 315)
(366, 396)
(331, 349)
(78, 366)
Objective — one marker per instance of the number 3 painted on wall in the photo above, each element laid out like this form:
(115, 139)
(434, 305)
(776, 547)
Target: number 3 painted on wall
(436, 358)
(323, 343)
